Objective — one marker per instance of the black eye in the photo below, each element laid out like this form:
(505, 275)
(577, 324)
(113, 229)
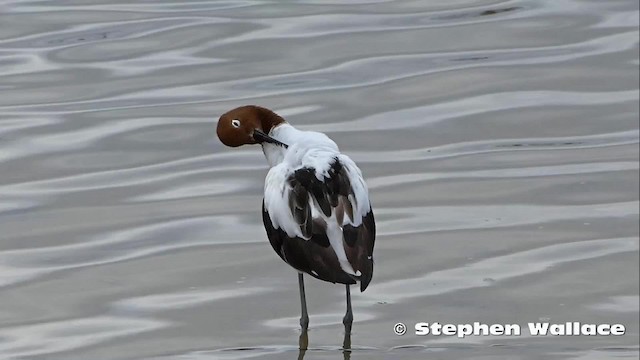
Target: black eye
(235, 123)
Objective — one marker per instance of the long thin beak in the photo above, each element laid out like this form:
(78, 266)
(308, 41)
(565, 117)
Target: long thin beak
(260, 136)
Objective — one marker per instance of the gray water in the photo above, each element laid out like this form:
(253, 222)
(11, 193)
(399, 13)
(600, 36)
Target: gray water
(499, 140)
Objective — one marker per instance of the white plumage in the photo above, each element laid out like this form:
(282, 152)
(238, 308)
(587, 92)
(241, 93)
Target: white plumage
(313, 150)
(316, 209)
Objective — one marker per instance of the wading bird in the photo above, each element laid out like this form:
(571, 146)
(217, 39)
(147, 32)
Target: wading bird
(316, 208)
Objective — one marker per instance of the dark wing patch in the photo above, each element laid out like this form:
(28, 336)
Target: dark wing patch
(310, 256)
(316, 257)
(313, 253)
(306, 178)
(359, 243)
(320, 233)
(300, 209)
(329, 193)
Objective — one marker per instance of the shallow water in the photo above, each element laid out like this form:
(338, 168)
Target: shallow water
(499, 140)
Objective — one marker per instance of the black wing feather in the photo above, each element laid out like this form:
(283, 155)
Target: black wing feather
(313, 254)
(308, 256)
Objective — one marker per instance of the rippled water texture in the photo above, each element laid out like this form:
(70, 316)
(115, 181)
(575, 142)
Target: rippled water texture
(499, 140)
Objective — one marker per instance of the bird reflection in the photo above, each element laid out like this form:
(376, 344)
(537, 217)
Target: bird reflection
(346, 343)
(303, 343)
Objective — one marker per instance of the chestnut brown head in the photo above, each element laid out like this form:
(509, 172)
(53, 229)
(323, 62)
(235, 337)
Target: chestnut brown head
(248, 125)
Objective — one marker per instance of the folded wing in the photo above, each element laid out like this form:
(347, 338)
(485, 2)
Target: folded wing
(319, 220)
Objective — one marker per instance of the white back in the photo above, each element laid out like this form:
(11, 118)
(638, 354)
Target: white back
(307, 149)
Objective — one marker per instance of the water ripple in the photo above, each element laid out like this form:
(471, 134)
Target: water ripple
(411, 220)
(25, 264)
(499, 268)
(528, 172)
(125, 225)
(65, 335)
(424, 115)
(160, 302)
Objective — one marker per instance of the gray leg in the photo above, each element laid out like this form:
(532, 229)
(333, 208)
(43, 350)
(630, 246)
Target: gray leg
(347, 321)
(303, 342)
(348, 317)
(304, 318)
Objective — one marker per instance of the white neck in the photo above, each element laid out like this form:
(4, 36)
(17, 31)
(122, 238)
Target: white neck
(275, 153)
(300, 142)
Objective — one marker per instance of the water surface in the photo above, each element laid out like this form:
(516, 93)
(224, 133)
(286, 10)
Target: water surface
(499, 140)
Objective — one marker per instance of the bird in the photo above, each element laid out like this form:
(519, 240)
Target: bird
(316, 209)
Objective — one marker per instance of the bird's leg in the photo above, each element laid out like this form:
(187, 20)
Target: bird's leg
(347, 321)
(304, 318)
(303, 342)
(348, 317)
